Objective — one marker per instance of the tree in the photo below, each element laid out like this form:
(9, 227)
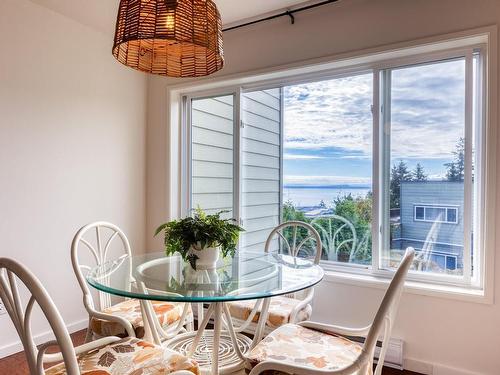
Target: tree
(358, 211)
(418, 173)
(399, 173)
(453, 173)
(455, 169)
(290, 213)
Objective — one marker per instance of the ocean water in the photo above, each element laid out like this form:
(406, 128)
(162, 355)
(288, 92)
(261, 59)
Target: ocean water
(307, 196)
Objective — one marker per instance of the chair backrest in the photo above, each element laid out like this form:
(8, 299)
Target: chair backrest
(337, 234)
(297, 238)
(9, 293)
(99, 251)
(386, 314)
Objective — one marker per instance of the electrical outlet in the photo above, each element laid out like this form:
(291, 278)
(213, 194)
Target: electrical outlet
(2, 309)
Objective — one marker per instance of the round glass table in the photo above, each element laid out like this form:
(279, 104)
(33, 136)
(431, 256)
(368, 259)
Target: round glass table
(248, 276)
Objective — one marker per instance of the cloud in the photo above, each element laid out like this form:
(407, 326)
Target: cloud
(334, 113)
(427, 113)
(288, 156)
(325, 180)
(357, 157)
(428, 110)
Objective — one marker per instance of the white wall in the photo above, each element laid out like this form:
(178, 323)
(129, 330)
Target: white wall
(452, 337)
(72, 147)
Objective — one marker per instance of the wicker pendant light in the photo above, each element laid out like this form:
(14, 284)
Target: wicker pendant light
(174, 38)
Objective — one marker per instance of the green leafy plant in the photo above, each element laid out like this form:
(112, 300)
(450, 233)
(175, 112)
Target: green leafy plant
(200, 231)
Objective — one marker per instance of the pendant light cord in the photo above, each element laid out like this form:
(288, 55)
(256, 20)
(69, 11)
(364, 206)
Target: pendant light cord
(287, 13)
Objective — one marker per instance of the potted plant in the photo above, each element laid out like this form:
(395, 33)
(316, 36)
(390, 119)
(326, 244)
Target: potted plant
(199, 239)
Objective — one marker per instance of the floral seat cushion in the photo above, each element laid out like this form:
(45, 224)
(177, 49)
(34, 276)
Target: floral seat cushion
(130, 356)
(166, 312)
(297, 345)
(280, 310)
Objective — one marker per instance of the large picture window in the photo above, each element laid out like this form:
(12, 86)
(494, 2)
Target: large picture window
(378, 159)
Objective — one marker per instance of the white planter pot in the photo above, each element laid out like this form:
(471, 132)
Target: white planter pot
(207, 277)
(207, 257)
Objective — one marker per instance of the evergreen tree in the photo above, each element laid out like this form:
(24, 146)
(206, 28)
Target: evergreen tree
(455, 169)
(399, 173)
(453, 173)
(418, 173)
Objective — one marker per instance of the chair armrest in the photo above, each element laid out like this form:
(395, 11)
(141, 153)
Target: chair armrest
(113, 318)
(344, 331)
(57, 357)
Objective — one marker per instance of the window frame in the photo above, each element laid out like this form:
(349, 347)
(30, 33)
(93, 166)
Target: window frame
(480, 39)
(443, 207)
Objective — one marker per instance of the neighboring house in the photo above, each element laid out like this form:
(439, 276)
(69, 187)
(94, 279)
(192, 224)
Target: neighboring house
(431, 221)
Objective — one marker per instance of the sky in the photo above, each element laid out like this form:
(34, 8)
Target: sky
(328, 124)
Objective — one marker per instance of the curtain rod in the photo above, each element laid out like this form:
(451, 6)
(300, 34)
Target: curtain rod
(287, 13)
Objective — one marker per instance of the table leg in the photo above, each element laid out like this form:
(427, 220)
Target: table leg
(200, 331)
(200, 312)
(217, 329)
(261, 325)
(150, 332)
(232, 332)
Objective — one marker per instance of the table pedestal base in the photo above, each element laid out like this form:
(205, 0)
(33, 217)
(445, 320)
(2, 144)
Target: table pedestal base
(221, 350)
(229, 361)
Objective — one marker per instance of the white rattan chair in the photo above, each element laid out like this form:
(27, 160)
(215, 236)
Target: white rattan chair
(110, 355)
(284, 309)
(124, 318)
(315, 348)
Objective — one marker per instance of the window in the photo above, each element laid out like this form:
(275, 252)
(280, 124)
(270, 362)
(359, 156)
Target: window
(327, 166)
(377, 158)
(419, 213)
(436, 214)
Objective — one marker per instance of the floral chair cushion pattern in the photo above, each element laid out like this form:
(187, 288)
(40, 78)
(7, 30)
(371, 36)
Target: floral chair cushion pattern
(130, 356)
(294, 344)
(166, 312)
(280, 309)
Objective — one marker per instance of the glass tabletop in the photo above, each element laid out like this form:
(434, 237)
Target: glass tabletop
(154, 276)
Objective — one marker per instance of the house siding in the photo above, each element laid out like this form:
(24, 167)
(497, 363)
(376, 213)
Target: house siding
(212, 132)
(261, 163)
(449, 236)
(213, 154)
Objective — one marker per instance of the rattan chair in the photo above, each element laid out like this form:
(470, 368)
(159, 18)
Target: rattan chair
(292, 308)
(124, 318)
(310, 348)
(109, 355)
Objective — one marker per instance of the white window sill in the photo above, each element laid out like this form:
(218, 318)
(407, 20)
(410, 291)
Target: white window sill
(413, 287)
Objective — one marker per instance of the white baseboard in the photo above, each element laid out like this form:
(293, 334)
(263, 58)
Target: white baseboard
(17, 346)
(426, 368)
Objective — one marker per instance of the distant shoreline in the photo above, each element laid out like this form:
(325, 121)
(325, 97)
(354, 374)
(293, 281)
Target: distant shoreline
(327, 186)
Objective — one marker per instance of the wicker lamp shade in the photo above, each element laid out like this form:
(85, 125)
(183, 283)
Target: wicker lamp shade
(174, 38)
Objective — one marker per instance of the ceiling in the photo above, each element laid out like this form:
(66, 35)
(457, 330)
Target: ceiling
(101, 14)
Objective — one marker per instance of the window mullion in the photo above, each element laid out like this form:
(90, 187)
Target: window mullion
(281, 147)
(237, 183)
(479, 190)
(384, 154)
(186, 168)
(467, 264)
(376, 224)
